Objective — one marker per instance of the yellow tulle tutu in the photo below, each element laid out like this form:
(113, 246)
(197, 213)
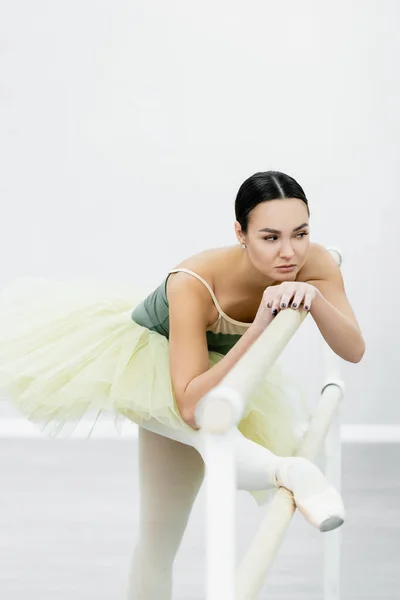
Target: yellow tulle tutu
(70, 350)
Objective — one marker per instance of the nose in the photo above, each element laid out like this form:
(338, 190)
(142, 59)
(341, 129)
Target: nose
(286, 251)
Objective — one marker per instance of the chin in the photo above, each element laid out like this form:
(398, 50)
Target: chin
(286, 276)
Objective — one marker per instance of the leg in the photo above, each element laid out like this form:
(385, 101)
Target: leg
(258, 469)
(170, 476)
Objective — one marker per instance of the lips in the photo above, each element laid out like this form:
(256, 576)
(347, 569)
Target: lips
(285, 266)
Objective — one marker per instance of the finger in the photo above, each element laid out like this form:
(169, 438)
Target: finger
(275, 305)
(307, 301)
(286, 298)
(297, 300)
(269, 303)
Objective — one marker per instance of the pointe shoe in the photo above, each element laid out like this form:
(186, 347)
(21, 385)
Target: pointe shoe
(324, 509)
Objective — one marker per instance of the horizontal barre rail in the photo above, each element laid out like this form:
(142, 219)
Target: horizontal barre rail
(223, 406)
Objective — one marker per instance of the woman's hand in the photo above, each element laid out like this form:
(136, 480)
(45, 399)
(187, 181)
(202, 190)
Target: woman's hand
(289, 294)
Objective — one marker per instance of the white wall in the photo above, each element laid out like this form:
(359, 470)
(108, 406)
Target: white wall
(128, 127)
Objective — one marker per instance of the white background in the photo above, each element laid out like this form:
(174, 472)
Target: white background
(127, 128)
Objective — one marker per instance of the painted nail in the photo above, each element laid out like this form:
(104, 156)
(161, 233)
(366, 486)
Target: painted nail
(294, 305)
(275, 312)
(283, 305)
(306, 308)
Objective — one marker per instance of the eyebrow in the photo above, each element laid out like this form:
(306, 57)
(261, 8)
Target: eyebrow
(277, 230)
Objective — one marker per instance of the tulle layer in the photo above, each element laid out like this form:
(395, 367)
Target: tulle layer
(71, 350)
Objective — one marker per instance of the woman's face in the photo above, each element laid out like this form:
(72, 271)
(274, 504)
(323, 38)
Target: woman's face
(289, 244)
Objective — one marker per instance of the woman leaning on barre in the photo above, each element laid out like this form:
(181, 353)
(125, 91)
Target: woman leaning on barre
(274, 267)
(69, 350)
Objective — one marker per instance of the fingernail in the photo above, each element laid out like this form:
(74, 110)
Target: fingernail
(294, 305)
(283, 305)
(275, 312)
(306, 308)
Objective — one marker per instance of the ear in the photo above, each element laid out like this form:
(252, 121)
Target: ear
(239, 234)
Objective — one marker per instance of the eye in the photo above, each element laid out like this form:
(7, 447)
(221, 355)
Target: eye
(272, 237)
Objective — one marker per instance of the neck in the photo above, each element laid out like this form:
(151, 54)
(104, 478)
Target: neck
(247, 274)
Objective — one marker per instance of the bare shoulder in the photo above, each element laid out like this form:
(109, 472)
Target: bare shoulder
(205, 263)
(320, 264)
(183, 285)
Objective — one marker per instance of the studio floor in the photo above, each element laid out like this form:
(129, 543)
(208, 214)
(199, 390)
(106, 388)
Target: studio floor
(69, 523)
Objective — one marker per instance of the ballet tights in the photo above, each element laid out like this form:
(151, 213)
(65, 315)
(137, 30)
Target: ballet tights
(171, 470)
(170, 476)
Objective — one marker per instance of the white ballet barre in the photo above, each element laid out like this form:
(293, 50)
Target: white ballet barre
(217, 413)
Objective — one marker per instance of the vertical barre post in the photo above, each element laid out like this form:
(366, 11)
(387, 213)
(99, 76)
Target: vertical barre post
(217, 416)
(220, 516)
(333, 472)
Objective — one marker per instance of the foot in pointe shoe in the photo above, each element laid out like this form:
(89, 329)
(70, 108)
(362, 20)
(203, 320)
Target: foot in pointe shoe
(317, 500)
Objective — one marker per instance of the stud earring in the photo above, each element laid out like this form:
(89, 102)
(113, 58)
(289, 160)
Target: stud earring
(244, 246)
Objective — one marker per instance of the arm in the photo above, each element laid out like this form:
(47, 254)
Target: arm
(189, 303)
(333, 314)
(339, 331)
